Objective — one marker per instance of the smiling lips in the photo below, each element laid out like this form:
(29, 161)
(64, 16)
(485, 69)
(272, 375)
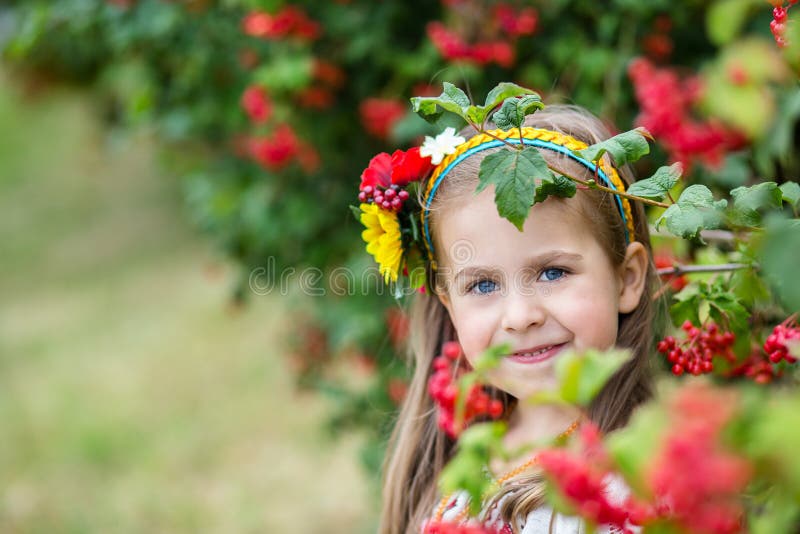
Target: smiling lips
(536, 355)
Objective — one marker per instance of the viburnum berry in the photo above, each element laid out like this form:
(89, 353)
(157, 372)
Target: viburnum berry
(443, 389)
(695, 354)
(776, 344)
(780, 16)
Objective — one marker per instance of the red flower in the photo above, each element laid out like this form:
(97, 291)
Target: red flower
(379, 115)
(257, 104)
(378, 173)
(291, 21)
(276, 151)
(409, 166)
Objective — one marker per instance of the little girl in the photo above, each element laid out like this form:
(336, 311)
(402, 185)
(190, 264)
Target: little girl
(578, 276)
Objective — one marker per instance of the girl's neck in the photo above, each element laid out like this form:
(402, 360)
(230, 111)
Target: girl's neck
(537, 425)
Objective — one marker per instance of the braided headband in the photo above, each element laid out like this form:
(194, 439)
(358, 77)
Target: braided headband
(535, 137)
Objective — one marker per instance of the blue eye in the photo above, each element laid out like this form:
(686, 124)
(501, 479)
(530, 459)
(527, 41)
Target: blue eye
(551, 274)
(483, 287)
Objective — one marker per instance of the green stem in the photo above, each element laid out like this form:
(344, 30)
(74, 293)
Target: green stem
(677, 270)
(595, 185)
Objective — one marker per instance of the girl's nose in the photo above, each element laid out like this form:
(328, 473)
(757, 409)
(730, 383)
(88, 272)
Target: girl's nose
(522, 312)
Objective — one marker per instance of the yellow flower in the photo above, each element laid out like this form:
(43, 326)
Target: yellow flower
(383, 239)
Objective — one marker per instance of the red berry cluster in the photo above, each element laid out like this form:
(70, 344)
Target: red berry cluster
(695, 353)
(756, 367)
(443, 388)
(291, 21)
(780, 14)
(666, 103)
(382, 182)
(391, 198)
(582, 484)
(504, 26)
(697, 481)
(776, 344)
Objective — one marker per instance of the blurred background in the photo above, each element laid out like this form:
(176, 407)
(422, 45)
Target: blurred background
(164, 162)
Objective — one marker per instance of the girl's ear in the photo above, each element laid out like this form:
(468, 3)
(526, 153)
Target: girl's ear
(633, 273)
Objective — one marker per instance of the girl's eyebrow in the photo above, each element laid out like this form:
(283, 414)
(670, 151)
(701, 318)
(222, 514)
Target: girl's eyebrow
(535, 261)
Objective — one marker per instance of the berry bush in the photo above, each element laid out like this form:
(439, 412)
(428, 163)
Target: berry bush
(269, 111)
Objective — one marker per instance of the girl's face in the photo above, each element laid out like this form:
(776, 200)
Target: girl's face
(543, 290)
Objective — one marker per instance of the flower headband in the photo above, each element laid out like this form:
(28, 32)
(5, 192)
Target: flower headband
(536, 137)
(397, 224)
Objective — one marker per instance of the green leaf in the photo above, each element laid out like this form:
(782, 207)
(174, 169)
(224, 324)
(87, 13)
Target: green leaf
(726, 309)
(657, 186)
(581, 376)
(452, 99)
(513, 174)
(623, 148)
(415, 263)
(476, 445)
(790, 191)
(356, 212)
(633, 446)
(560, 186)
(695, 210)
(491, 357)
(749, 202)
(504, 90)
(725, 18)
(779, 258)
(514, 110)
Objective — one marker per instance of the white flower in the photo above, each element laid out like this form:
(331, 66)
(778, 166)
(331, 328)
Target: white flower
(443, 144)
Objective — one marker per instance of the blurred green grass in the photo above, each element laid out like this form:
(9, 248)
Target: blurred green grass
(132, 397)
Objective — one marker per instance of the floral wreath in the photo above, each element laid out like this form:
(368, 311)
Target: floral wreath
(397, 190)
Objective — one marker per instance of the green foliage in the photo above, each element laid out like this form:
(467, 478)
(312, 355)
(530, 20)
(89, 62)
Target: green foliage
(703, 301)
(750, 202)
(514, 110)
(780, 256)
(694, 211)
(581, 376)
(452, 99)
(179, 69)
(513, 174)
(476, 446)
(623, 148)
(657, 187)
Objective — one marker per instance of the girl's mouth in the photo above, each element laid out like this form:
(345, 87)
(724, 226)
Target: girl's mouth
(536, 355)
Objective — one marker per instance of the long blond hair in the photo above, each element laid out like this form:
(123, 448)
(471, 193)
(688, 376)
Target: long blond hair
(418, 450)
